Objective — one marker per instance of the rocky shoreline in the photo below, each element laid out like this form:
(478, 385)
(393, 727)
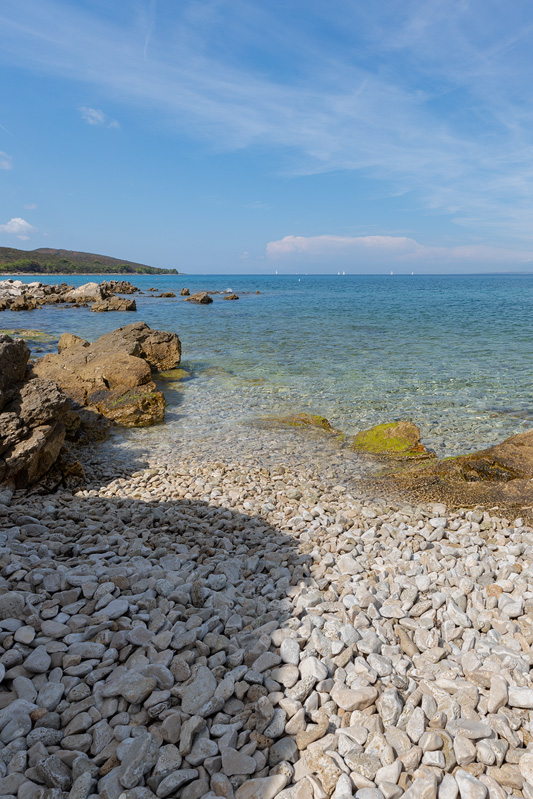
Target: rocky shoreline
(212, 629)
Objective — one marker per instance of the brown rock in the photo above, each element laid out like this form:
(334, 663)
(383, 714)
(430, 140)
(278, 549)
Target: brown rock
(114, 304)
(185, 292)
(110, 287)
(113, 376)
(167, 294)
(23, 303)
(201, 297)
(231, 297)
(36, 416)
(501, 475)
(69, 340)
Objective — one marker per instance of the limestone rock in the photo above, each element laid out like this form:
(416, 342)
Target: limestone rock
(114, 304)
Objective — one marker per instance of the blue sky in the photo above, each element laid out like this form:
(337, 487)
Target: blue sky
(246, 136)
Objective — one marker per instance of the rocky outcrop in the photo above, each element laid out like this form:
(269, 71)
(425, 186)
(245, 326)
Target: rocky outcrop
(167, 294)
(113, 376)
(201, 297)
(18, 296)
(114, 304)
(231, 297)
(400, 440)
(500, 475)
(185, 292)
(110, 287)
(35, 418)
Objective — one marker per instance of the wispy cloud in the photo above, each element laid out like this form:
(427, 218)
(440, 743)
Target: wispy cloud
(434, 100)
(30, 206)
(362, 251)
(18, 227)
(95, 116)
(5, 161)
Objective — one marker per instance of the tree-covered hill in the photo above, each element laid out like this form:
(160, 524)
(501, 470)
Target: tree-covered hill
(46, 261)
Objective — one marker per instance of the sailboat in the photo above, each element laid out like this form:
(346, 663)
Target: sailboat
(392, 273)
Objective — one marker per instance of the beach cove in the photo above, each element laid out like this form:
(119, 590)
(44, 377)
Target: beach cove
(221, 611)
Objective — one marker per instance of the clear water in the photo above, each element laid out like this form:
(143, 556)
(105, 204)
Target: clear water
(452, 353)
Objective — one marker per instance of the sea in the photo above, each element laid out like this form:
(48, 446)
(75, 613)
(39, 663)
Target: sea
(453, 353)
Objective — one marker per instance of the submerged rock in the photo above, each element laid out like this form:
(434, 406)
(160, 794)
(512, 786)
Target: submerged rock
(392, 440)
(302, 420)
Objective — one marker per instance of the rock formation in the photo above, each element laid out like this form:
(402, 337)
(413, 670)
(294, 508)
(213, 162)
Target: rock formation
(35, 417)
(113, 376)
(201, 297)
(114, 304)
(500, 475)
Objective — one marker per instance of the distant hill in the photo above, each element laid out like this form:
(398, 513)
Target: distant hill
(45, 261)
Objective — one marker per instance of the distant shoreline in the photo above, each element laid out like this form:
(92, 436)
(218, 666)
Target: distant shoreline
(90, 274)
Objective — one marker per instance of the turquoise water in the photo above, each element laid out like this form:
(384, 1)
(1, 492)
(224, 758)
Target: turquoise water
(452, 353)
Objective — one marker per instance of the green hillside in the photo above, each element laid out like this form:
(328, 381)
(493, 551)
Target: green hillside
(46, 261)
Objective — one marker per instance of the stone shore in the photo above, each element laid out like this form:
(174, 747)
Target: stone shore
(206, 630)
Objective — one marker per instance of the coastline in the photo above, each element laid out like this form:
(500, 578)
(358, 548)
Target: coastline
(237, 612)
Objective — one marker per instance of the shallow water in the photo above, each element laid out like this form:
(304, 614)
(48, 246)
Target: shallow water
(451, 353)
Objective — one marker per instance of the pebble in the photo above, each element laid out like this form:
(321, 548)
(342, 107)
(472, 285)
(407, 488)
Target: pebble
(204, 630)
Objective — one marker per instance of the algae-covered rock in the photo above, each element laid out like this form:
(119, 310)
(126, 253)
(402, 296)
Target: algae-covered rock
(392, 440)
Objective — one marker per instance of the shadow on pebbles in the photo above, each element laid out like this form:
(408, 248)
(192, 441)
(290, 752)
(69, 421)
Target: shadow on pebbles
(208, 630)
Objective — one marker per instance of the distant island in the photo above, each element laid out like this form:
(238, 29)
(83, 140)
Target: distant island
(45, 261)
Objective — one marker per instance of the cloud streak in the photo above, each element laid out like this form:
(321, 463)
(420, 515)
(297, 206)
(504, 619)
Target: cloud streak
(362, 251)
(18, 227)
(433, 102)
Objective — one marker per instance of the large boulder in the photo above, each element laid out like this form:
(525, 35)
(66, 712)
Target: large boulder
(89, 292)
(35, 418)
(113, 376)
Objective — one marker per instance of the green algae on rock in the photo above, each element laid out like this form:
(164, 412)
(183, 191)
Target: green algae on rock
(392, 440)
